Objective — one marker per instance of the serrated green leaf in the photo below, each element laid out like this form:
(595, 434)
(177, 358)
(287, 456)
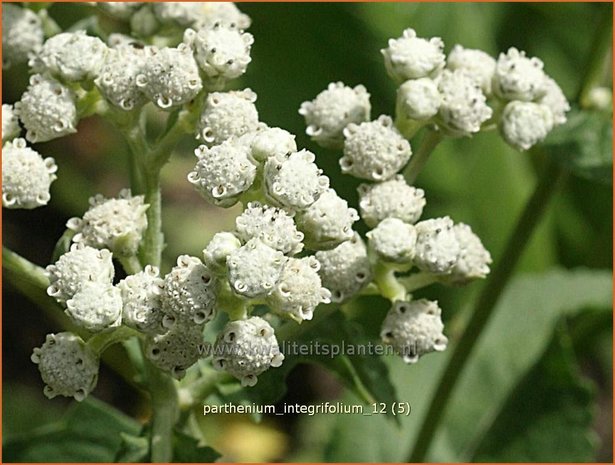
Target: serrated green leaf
(186, 449)
(584, 145)
(89, 432)
(548, 416)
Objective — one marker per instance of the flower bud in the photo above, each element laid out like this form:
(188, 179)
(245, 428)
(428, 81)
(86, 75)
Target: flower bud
(418, 99)
(477, 64)
(437, 248)
(96, 306)
(518, 77)
(219, 248)
(524, 124)
(412, 57)
(393, 241)
(142, 297)
(176, 350)
(22, 34)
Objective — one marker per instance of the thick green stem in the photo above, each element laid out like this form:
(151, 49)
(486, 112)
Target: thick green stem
(101, 341)
(131, 264)
(153, 240)
(385, 279)
(430, 141)
(201, 389)
(530, 218)
(165, 407)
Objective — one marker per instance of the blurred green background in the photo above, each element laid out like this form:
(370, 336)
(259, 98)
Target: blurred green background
(539, 385)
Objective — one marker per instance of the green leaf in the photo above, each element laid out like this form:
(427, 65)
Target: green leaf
(548, 416)
(584, 145)
(513, 341)
(63, 245)
(89, 432)
(186, 449)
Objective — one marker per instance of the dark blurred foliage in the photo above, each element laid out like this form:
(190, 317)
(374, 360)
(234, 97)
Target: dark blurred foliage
(300, 48)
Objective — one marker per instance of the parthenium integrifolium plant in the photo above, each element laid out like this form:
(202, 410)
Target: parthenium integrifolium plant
(294, 246)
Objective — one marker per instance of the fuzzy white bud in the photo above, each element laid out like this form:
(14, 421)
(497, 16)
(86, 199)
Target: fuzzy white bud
(96, 307)
(170, 76)
(414, 329)
(390, 199)
(518, 77)
(47, 109)
(247, 348)
(71, 56)
(117, 80)
(555, 99)
(219, 248)
(412, 57)
(223, 53)
(418, 99)
(332, 110)
(81, 264)
(294, 181)
(176, 350)
(254, 269)
(114, 224)
(345, 269)
(142, 297)
(524, 124)
(374, 150)
(22, 34)
(273, 226)
(223, 172)
(189, 295)
(437, 247)
(479, 65)
(272, 142)
(67, 366)
(226, 115)
(10, 123)
(26, 176)
(327, 222)
(474, 259)
(393, 241)
(464, 106)
(299, 290)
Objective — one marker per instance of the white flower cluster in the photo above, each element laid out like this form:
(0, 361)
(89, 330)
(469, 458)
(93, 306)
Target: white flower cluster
(22, 34)
(26, 176)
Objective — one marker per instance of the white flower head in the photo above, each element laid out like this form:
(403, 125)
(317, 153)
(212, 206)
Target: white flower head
(142, 297)
(418, 99)
(474, 259)
(67, 366)
(393, 241)
(437, 248)
(294, 181)
(117, 80)
(272, 225)
(345, 270)
(226, 115)
(26, 176)
(183, 14)
(412, 57)
(374, 150)
(170, 76)
(96, 306)
(189, 296)
(80, 265)
(70, 56)
(47, 109)
(524, 124)
(414, 329)
(116, 224)
(332, 110)
(223, 172)
(22, 34)
(555, 99)
(254, 269)
(10, 123)
(223, 53)
(120, 10)
(219, 248)
(299, 290)
(464, 106)
(223, 13)
(479, 65)
(390, 199)
(518, 77)
(327, 222)
(247, 348)
(176, 350)
(272, 142)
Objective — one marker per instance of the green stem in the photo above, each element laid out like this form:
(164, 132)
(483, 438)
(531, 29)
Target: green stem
(131, 264)
(418, 280)
(518, 240)
(101, 341)
(430, 141)
(165, 408)
(24, 269)
(201, 389)
(598, 58)
(385, 279)
(153, 240)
